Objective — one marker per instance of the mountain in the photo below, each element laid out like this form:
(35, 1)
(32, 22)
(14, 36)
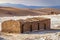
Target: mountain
(25, 6)
(14, 5)
(19, 5)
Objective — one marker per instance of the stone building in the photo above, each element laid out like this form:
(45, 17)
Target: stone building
(27, 25)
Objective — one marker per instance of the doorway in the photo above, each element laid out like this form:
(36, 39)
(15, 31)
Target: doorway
(44, 26)
(22, 29)
(38, 27)
(30, 27)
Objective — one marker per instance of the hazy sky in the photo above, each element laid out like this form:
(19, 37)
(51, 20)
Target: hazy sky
(33, 2)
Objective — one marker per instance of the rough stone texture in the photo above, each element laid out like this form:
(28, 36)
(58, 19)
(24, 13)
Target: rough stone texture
(44, 23)
(35, 26)
(11, 26)
(27, 25)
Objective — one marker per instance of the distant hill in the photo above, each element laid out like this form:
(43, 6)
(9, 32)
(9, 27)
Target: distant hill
(10, 11)
(49, 11)
(25, 6)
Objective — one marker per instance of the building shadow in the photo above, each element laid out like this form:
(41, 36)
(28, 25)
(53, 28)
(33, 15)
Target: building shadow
(2, 38)
(43, 31)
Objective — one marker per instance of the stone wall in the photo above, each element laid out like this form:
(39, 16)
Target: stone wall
(11, 26)
(28, 25)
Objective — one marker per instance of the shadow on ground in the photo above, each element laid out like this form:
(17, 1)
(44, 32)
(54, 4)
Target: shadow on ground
(43, 31)
(2, 38)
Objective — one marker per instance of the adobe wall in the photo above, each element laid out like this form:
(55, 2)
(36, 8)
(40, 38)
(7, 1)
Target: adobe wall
(44, 23)
(35, 26)
(11, 26)
(26, 27)
(20, 27)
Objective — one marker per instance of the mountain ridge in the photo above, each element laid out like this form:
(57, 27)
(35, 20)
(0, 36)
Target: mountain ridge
(25, 6)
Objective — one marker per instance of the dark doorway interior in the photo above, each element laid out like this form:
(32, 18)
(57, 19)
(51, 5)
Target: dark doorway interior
(30, 27)
(45, 26)
(22, 29)
(38, 27)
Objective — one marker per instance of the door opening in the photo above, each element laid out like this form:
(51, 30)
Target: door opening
(38, 27)
(45, 26)
(30, 27)
(22, 30)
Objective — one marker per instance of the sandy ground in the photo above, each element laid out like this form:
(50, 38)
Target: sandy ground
(37, 35)
(41, 35)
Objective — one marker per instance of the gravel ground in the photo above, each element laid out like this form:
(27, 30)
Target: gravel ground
(45, 35)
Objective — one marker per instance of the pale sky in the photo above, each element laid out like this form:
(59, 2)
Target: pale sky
(33, 2)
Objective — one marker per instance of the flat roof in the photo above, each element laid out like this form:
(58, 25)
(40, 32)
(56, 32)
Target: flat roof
(40, 18)
(33, 19)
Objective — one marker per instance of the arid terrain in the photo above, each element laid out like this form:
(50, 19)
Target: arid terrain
(20, 13)
(9, 11)
(46, 35)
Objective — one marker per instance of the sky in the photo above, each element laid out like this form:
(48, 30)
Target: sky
(33, 2)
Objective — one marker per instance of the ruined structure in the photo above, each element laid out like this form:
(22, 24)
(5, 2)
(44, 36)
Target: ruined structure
(27, 25)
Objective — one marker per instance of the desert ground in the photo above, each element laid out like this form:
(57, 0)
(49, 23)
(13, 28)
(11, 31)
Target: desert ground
(9, 11)
(46, 35)
(6, 13)
(39, 35)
